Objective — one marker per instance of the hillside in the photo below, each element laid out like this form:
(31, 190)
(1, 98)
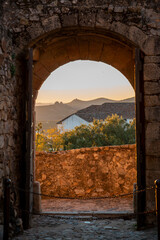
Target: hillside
(52, 113)
(79, 104)
(128, 100)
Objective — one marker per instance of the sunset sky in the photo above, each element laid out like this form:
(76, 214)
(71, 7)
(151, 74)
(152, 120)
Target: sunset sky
(84, 80)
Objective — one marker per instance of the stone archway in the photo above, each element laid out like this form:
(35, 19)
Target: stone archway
(126, 25)
(60, 47)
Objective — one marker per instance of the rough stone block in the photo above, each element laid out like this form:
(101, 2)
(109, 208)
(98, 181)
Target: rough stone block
(39, 7)
(35, 30)
(87, 18)
(152, 59)
(151, 71)
(137, 35)
(1, 127)
(79, 191)
(103, 19)
(152, 87)
(1, 141)
(1, 59)
(1, 56)
(153, 131)
(152, 101)
(118, 9)
(110, 8)
(69, 20)
(121, 28)
(152, 147)
(4, 44)
(152, 46)
(134, 9)
(152, 163)
(51, 23)
(33, 18)
(152, 114)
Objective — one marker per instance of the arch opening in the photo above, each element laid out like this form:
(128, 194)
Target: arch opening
(81, 45)
(69, 190)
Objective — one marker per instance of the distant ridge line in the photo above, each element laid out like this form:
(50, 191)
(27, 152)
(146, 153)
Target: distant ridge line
(131, 99)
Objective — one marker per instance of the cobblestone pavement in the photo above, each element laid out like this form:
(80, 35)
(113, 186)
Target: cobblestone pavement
(48, 228)
(71, 205)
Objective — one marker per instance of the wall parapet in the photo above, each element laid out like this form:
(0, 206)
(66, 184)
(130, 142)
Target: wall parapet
(87, 172)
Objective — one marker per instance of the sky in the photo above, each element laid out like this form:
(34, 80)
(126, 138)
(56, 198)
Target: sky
(84, 80)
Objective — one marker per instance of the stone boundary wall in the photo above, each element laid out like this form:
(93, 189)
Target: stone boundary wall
(87, 172)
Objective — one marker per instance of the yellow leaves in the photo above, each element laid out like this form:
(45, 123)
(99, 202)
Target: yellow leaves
(49, 140)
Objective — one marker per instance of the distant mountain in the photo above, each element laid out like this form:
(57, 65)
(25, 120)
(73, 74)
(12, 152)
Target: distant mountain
(132, 99)
(52, 113)
(43, 104)
(79, 104)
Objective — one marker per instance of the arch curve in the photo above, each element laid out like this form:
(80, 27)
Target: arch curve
(60, 47)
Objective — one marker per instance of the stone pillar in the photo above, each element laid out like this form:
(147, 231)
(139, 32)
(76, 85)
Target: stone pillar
(37, 198)
(152, 125)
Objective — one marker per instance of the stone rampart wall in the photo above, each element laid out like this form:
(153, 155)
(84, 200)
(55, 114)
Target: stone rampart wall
(87, 172)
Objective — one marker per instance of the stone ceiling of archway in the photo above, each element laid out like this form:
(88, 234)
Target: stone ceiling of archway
(55, 52)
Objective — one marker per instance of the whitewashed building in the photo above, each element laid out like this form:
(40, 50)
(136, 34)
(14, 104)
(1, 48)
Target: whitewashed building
(70, 122)
(100, 112)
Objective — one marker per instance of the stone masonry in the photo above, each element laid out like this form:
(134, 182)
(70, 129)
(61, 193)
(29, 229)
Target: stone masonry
(87, 172)
(67, 30)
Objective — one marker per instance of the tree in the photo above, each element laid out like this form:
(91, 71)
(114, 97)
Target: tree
(113, 130)
(116, 128)
(55, 139)
(49, 140)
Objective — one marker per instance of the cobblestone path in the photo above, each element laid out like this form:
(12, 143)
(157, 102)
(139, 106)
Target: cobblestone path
(48, 228)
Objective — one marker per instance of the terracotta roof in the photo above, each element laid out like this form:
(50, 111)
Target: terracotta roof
(101, 112)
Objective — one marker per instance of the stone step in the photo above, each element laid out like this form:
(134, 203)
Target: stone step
(91, 215)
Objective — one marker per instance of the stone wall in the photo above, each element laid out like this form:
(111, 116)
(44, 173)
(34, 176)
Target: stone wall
(11, 114)
(87, 172)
